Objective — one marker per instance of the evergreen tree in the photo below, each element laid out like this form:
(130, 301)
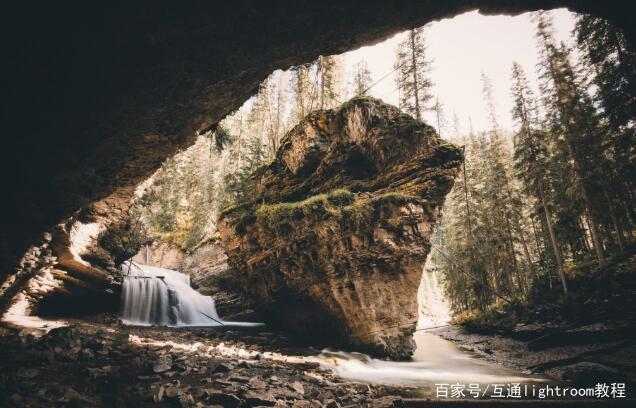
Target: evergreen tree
(440, 116)
(303, 91)
(531, 156)
(361, 79)
(612, 66)
(412, 76)
(573, 122)
(328, 78)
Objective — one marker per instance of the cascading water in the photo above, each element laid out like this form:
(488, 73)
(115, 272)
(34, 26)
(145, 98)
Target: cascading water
(163, 297)
(433, 308)
(435, 360)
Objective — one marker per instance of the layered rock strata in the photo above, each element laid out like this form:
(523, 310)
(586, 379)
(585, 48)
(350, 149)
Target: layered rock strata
(333, 238)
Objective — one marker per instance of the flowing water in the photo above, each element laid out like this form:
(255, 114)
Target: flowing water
(433, 308)
(163, 297)
(435, 361)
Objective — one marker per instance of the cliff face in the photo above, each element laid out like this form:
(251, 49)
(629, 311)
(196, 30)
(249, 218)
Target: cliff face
(333, 239)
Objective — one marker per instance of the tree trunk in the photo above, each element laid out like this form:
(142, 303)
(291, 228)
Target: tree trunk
(553, 239)
(415, 85)
(617, 227)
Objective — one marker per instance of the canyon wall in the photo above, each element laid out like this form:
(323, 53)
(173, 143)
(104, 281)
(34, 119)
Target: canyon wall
(332, 241)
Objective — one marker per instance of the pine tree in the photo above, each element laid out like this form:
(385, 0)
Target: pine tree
(361, 79)
(412, 76)
(531, 156)
(503, 195)
(328, 78)
(612, 68)
(573, 119)
(303, 91)
(440, 116)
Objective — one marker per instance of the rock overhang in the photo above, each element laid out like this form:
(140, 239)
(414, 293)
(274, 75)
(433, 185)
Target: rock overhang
(335, 255)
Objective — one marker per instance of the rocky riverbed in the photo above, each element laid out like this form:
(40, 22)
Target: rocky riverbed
(583, 355)
(106, 364)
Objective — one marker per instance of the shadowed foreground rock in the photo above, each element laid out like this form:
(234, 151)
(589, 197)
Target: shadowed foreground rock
(333, 238)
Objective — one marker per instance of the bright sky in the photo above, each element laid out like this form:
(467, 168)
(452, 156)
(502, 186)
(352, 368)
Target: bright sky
(461, 48)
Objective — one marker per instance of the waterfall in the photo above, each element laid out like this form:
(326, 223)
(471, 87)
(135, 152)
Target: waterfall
(433, 308)
(163, 297)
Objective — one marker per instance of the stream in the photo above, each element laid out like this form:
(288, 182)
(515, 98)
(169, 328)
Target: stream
(157, 296)
(435, 361)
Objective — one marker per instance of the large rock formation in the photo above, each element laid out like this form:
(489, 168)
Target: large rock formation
(333, 239)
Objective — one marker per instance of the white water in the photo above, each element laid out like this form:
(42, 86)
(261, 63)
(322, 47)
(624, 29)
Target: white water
(163, 297)
(435, 360)
(433, 308)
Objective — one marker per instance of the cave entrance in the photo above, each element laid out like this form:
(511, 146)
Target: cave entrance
(523, 208)
(178, 206)
(465, 97)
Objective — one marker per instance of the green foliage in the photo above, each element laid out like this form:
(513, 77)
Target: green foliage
(317, 206)
(597, 294)
(413, 69)
(361, 79)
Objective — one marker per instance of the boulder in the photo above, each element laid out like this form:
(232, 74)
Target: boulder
(333, 237)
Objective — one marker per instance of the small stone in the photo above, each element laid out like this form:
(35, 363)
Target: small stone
(239, 379)
(298, 387)
(244, 364)
(16, 399)
(301, 404)
(172, 392)
(259, 399)
(87, 354)
(71, 395)
(226, 400)
(28, 373)
(162, 365)
(186, 400)
(256, 383)
(159, 394)
(222, 368)
(331, 404)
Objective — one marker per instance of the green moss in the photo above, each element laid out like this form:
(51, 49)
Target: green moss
(235, 210)
(340, 197)
(449, 150)
(318, 206)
